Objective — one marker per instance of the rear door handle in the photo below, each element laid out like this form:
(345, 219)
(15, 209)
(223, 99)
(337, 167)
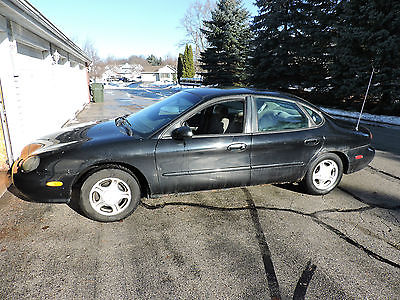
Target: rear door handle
(311, 142)
(237, 147)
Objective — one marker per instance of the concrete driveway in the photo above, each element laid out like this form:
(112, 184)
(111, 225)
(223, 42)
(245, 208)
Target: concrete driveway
(264, 242)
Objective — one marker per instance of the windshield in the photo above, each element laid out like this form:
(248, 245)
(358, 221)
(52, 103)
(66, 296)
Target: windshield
(156, 116)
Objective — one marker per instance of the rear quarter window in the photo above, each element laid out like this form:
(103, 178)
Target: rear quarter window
(314, 115)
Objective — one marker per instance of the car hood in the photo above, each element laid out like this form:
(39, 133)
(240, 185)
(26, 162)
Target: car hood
(93, 132)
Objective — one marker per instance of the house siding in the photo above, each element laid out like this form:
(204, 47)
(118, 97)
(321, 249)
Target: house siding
(44, 82)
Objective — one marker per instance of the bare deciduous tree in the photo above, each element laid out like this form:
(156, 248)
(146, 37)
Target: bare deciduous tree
(170, 60)
(138, 59)
(96, 68)
(192, 22)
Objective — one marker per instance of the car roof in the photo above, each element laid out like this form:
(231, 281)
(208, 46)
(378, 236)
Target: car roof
(209, 93)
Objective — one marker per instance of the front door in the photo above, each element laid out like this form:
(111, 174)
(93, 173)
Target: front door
(218, 161)
(217, 156)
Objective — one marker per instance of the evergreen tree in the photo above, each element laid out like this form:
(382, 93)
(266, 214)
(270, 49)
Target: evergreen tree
(316, 25)
(188, 63)
(184, 62)
(291, 45)
(153, 60)
(368, 37)
(179, 68)
(228, 36)
(272, 63)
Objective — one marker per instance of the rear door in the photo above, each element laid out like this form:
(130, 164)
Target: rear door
(284, 141)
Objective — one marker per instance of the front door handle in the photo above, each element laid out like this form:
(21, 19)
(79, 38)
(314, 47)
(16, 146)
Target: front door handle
(237, 147)
(311, 142)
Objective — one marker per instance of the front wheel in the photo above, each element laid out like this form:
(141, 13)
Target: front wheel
(323, 174)
(109, 195)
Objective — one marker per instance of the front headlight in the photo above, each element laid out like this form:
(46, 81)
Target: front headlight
(30, 164)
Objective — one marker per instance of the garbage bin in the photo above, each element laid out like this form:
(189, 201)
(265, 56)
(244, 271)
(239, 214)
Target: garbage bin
(98, 92)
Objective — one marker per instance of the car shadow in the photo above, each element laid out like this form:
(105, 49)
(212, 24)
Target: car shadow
(384, 200)
(291, 187)
(388, 155)
(74, 202)
(15, 192)
(373, 199)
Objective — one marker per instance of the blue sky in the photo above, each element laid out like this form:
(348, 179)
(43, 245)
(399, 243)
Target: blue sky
(121, 28)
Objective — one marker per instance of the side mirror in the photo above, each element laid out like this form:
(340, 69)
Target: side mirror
(182, 133)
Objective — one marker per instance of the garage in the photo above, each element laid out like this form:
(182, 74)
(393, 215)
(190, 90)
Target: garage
(43, 77)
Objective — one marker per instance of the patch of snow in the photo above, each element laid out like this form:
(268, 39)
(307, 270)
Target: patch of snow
(160, 86)
(112, 85)
(390, 120)
(158, 83)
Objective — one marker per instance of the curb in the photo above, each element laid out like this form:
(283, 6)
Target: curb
(67, 123)
(371, 122)
(4, 167)
(5, 182)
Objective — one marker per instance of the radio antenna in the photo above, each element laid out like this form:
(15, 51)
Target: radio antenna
(365, 98)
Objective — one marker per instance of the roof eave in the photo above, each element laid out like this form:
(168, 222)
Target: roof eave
(29, 17)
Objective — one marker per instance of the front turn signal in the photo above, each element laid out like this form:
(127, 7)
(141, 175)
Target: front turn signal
(54, 183)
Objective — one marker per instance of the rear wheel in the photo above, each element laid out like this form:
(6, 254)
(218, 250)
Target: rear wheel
(109, 195)
(324, 174)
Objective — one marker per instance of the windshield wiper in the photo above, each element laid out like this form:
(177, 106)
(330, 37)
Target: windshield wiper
(124, 121)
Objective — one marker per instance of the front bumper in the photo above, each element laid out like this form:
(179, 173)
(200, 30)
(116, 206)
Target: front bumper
(359, 158)
(33, 186)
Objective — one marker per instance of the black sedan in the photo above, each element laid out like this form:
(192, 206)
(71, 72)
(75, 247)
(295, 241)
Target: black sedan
(194, 140)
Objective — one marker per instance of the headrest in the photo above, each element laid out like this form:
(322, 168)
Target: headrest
(220, 110)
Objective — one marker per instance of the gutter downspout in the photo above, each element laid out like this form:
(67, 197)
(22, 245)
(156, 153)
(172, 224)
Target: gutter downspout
(6, 132)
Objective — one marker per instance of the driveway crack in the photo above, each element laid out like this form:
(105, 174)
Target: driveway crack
(383, 172)
(313, 216)
(340, 210)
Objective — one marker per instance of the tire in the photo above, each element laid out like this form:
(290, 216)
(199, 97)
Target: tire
(323, 174)
(109, 195)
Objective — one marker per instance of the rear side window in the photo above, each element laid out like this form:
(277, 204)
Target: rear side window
(314, 115)
(279, 115)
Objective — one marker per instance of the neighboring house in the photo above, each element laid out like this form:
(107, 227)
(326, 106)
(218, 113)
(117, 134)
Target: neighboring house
(43, 76)
(125, 71)
(130, 72)
(122, 72)
(159, 74)
(109, 75)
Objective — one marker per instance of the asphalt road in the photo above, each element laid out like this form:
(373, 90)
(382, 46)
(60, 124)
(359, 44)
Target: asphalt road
(247, 243)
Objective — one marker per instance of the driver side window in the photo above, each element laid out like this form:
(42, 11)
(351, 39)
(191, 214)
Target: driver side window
(221, 118)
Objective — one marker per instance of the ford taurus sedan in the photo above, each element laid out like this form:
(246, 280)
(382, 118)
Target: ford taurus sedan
(194, 140)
